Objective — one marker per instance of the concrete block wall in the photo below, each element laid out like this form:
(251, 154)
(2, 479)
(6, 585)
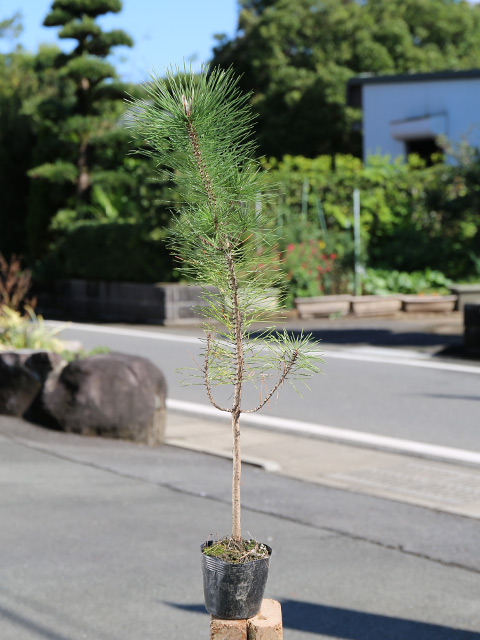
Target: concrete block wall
(155, 303)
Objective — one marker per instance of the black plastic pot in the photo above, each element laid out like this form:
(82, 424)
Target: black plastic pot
(233, 591)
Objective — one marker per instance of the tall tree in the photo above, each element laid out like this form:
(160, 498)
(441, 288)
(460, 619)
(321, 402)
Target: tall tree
(297, 58)
(80, 143)
(18, 80)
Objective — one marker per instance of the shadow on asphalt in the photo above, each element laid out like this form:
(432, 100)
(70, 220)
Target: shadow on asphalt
(438, 344)
(38, 630)
(347, 624)
(450, 396)
(380, 337)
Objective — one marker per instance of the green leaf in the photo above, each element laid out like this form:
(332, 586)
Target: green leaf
(58, 172)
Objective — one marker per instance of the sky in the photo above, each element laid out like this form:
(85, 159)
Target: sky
(165, 32)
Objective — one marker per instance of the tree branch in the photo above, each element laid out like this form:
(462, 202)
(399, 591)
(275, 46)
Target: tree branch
(280, 381)
(205, 373)
(192, 134)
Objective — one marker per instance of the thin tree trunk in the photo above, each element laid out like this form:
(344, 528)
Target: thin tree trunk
(83, 183)
(226, 248)
(237, 399)
(237, 474)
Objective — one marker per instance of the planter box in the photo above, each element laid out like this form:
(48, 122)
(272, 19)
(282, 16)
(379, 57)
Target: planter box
(154, 303)
(375, 305)
(428, 304)
(466, 293)
(322, 306)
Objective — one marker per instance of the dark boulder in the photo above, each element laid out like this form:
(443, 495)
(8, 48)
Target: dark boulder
(47, 366)
(112, 395)
(18, 384)
(43, 363)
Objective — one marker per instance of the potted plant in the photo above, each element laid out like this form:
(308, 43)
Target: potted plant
(199, 128)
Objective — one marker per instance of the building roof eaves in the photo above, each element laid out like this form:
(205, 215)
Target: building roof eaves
(415, 77)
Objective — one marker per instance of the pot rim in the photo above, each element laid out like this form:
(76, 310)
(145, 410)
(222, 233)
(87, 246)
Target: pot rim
(208, 543)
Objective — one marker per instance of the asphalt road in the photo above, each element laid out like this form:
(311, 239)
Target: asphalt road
(402, 395)
(100, 540)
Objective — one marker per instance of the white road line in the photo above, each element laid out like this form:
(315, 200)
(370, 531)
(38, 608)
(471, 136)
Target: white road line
(381, 357)
(408, 362)
(344, 436)
(117, 331)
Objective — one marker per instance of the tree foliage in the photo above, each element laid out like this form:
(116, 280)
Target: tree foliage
(80, 141)
(18, 81)
(71, 200)
(298, 56)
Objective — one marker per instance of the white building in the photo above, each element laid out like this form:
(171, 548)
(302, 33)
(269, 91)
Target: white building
(405, 113)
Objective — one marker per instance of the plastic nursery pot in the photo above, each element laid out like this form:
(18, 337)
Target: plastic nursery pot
(233, 591)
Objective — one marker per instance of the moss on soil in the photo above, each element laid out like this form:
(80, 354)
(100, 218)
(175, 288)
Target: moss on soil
(234, 552)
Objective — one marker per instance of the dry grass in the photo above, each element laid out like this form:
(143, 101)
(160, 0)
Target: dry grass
(229, 550)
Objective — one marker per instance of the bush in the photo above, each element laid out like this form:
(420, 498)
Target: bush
(413, 217)
(381, 282)
(15, 284)
(110, 251)
(27, 331)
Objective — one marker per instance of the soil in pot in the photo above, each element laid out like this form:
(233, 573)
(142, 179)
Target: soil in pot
(234, 577)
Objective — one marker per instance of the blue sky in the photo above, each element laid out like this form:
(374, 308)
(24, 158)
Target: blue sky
(164, 31)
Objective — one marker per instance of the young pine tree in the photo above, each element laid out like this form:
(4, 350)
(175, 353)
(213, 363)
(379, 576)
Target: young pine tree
(199, 128)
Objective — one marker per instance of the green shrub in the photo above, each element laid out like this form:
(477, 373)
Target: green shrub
(382, 282)
(27, 331)
(413, 217)
(109, 251)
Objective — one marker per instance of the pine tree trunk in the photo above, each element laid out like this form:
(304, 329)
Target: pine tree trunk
(237, 397)
(237, 474)
(83, 183)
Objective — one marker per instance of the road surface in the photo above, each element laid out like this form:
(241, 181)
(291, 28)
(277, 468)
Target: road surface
(397, 394)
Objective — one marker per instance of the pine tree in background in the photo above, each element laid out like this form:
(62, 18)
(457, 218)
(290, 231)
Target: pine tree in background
(81, 145)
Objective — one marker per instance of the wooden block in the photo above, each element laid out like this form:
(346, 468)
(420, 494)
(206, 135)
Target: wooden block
(267, 624)
(228, 629)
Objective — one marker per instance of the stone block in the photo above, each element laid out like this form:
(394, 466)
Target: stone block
(267, 624)
(228, 629)
(472, 327)
(467, 294)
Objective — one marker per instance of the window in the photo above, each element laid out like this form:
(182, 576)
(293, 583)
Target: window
(424, 147)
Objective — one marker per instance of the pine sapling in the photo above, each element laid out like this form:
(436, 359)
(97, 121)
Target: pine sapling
(199, 128)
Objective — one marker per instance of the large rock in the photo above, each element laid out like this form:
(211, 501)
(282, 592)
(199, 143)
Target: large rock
(112, 395)
(47, 366)
(43, 363)
(18, 384)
